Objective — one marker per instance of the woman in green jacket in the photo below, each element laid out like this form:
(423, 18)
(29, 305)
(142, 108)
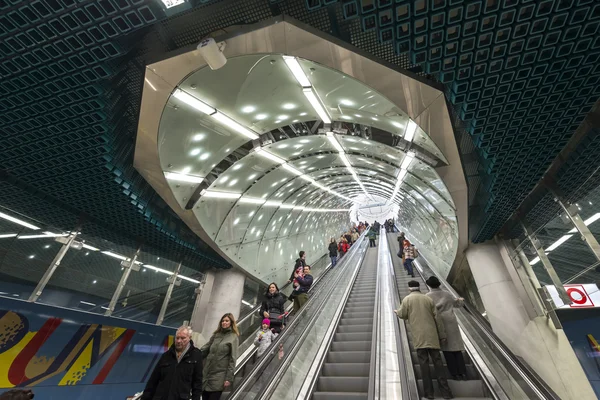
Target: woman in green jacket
(219, 354)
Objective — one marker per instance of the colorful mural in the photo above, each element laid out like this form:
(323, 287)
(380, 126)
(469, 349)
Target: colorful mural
(76, 355)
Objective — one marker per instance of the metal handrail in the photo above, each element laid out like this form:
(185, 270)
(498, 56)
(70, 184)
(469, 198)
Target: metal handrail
(267, 391)
(530, 377)
(374, 374)
(258, 306)
(310, 384)
(263, 362)
(409, 391)
(247, 355)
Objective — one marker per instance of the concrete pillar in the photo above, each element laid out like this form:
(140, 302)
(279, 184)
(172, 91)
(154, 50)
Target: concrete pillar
(221, 294)
(546, 349)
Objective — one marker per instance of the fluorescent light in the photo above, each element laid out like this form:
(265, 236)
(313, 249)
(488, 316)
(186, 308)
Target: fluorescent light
(411, 129)
(220, 195)
(588, 221)
(268, 155)
(246, 303)
(345, 160)
(225, 120)
(172, 3)
(115, 255)
(293, 169)
(87, 303)
(173, 176)
(297, 71)
(308, 178)
(287, 206)
(164, 271)
(558, 242)
(194, 102)
(407, 160)
(87, 246)
(188, 279)
(316, 104)
(402, 174)
(251, 200)
(45, 235)
(18, 221)
(335, 142)
(534, 261)
(272, 203)
(7, 235)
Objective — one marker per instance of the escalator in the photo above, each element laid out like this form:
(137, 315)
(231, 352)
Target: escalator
(345, 373)
(472, 388)
(493, 371)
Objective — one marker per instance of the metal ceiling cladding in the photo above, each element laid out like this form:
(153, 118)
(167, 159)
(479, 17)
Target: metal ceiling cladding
(521, 76)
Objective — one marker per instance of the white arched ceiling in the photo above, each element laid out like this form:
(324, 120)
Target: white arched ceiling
(261, 201)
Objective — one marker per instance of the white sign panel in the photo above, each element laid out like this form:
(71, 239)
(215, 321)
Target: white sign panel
(586, 295)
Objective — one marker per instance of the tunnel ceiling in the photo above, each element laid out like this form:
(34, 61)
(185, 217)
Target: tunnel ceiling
(271, 152)
(521, 76)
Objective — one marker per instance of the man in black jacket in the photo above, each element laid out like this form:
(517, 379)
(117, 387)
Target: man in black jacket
(178, 373)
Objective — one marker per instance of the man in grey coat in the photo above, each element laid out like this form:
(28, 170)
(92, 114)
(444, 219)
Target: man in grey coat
(427, 331)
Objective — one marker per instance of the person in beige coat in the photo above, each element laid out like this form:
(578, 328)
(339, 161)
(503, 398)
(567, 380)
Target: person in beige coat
(453, 347)
(427, 331)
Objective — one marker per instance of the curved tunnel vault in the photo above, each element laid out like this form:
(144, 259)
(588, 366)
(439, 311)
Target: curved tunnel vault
(271, 153)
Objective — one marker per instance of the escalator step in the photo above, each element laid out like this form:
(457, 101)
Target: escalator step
(351, 346)
(352, 337)
(355, 328)
(356, 321)
(343, 384)
(349, 357)
(468, 389)
(351, 314)
(339, 396)
(346, 369)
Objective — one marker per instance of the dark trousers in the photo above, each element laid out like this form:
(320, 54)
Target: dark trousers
(333, 261)
(211, 395)
(408, 266)
(372, 243)
(436, 358)
(456, 363)
(299, 301)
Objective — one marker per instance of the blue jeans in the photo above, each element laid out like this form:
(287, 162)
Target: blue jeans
(333, 261)
(408, 266)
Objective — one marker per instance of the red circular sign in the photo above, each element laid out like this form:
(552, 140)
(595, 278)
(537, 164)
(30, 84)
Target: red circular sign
(583, 298)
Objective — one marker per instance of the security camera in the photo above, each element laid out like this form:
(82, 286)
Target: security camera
(212, 53)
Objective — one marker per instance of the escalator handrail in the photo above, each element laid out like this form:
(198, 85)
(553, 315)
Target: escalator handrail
(310, 383)
(247, 355)
(410, 390)
(374, 373)
(265, 360)
(268, 390)
(258, 306)
(529, 376)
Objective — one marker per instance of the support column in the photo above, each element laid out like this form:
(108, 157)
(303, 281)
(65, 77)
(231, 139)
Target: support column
(545, 348)
(221, 294)
(128, 266)
(52, 267)
(172, 283)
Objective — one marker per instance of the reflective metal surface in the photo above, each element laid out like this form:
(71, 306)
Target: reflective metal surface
(256, 89)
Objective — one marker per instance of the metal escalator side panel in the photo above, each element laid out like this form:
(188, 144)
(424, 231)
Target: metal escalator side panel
(267, 372)
(406, 372)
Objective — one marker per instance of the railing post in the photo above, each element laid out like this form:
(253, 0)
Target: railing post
(50, 271)
(562, 293)
(128, 266)
(172, 282)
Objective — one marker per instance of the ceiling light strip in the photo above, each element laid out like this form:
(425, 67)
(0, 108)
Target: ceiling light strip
(411, 129)
(219, 116)
(18, 221)
(316, 104)
(346, 161)
(174, 176)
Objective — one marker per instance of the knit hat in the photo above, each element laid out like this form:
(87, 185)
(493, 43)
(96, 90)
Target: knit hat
(266, 321)
(433, 282)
